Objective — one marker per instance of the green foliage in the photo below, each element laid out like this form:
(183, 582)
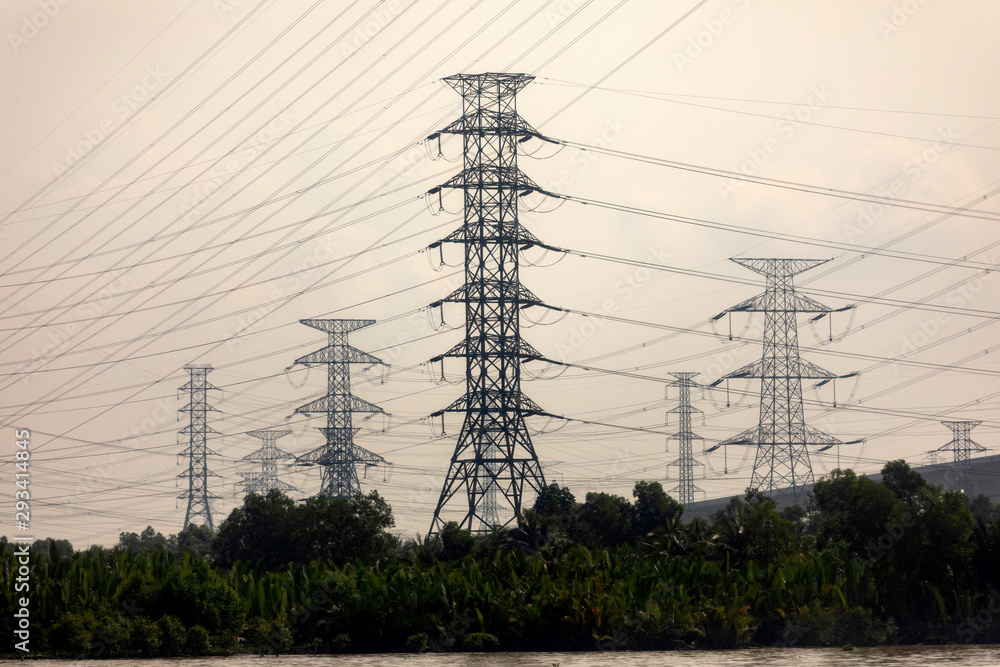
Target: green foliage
(417, 643)
(195, 540)
(480, 642)
(456, 541)
(173, 635)
(862, 559)
(275, 531)
(147, 539)
(655, 511)
(198, 641)
(142, 638)
(60, 547)
(340, 642)
(604, 520)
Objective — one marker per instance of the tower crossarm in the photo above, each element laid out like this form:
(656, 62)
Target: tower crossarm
(494, 401)
(494, 291)
(338, 354)
(757, 369)
(794, 303)
(785, 267)
(507, 347)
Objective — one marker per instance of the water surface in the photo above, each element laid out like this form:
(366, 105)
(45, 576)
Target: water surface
(892, 656)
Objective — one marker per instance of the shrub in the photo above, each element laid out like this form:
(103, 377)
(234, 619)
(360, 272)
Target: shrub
(173, 636)
(480, 642)
(197, 641)
(417, 643)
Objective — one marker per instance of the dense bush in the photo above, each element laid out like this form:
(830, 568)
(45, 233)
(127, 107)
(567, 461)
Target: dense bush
(862, 563)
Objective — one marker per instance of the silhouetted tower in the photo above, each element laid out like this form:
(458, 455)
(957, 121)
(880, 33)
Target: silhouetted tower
(198, 496)
(494, 459)
(685, 436)
(781, 437)
(339, 457)
(962, 446)
(263, 480)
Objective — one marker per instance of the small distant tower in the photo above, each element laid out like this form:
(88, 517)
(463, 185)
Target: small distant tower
(262, 481)
(962, 445)
(339, 457)
(685, 462)
(198, 496)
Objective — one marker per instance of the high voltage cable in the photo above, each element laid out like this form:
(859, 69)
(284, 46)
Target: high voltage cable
(229, 244)
(315, 162)
(115, 131)
(447, 28)
(99, 89)
(972, 312)
(206, 161)
(643, 93)
(780, 183)
(816, 124)
(176, 148)
(632, 57)
(111, 136)
(264, 355)
(749, 231)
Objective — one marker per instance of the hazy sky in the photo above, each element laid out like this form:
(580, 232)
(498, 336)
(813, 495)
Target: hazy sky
(183, 181)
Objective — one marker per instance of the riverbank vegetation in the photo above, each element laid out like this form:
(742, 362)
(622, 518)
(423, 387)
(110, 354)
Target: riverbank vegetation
(860, 563)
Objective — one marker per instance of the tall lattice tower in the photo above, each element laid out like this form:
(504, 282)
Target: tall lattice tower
(781, 437)
(962, 445)
(685, 437)
(339, 457)
(263, 480)
(198, 496)
(494, 458)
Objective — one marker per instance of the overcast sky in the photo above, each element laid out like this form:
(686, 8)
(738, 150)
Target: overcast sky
(183, 181)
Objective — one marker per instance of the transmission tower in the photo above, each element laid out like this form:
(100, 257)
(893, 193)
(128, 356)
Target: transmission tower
(494, 459)
(685, 462)
(262, 481)
(339, 457)
(781, 437)
(198, 496)
(962, 446)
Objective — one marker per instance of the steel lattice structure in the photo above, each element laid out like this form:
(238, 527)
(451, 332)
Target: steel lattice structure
(962, 445)
(339, 457)
(685, 436)
(494, 458)
(782, 437)
(262, 481)
(198, 496)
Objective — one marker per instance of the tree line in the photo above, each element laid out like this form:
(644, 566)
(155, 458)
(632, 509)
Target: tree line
(859, 563)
